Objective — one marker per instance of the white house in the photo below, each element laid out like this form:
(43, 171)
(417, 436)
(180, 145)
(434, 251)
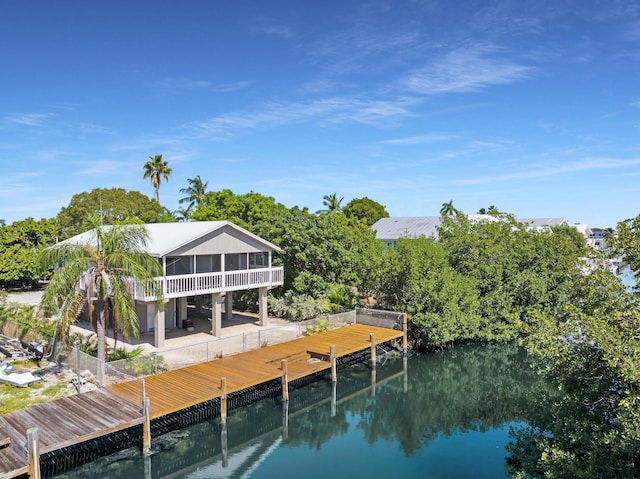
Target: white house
(202, 259)
(598, 238)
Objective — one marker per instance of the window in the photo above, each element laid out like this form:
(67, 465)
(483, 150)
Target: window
(179, 265)
(258, 260)
(208, 263)
(235, 262)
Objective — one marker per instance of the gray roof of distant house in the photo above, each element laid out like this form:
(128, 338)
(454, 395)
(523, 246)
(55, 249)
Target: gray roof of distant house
(390, 229)
(539, 222)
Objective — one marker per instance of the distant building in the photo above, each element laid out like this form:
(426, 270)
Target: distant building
(390, 230)
(542, 224)
(597, 239)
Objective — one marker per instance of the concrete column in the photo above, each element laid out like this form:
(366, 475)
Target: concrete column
(158, 335)
(182, 309)
(228, 305)
(262, 306)
(170, 313)
(216, 315)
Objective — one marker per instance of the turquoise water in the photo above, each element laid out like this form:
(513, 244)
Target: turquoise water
(442, 415)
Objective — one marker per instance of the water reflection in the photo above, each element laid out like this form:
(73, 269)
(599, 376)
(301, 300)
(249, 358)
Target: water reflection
(445, 414)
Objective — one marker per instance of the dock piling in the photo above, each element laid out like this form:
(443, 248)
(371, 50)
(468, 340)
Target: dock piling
(372, 338)
(285, 381)
(146, 428)
(34, 453)
(332, 353)
(405, 340)
(223, 400)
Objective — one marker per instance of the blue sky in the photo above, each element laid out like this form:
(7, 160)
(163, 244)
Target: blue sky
(533, 107)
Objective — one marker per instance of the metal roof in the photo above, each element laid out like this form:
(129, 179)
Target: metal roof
(167, 237)
(411, 226)
(538, 222)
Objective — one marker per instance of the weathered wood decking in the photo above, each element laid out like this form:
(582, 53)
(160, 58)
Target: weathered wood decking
(63, 422)
(76, 419)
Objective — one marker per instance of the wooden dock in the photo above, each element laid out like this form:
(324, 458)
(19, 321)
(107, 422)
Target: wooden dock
(61, 423)
(77, 419)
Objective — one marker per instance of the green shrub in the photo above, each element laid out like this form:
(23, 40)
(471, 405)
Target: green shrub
(297, 307)
(320, 326)
(341, 298)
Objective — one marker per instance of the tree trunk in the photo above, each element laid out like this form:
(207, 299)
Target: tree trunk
(101, 334)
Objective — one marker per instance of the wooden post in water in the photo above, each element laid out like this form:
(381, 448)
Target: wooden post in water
(373, 382)
(285, 420)
(334, 397)
(405, 339)
(34, 453)
(225, 448)
(285, 381)
(147, 468)
(405, 374)
(146, 428)
(372, 338)
(223, 400)
(334, 369)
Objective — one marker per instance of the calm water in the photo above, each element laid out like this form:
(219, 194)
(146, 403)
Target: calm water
(443, 415)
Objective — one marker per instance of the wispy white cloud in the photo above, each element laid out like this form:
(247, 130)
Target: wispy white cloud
(466, 70)
(589, 164)
(635, 104)
(334, 110)
(101, 168)
(280, 31)
(188, 84)
(28, 119)
(93, 128)
(421, 139)
(271, 27)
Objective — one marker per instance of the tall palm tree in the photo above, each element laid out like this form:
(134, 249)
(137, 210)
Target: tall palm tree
(156, 169)
(97, 272)
(332, 204)
(195, 192)
(448, 209)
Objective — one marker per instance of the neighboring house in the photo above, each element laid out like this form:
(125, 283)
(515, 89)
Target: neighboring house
(202, 259)
(542, 224)
(390, 230)
(597, 239)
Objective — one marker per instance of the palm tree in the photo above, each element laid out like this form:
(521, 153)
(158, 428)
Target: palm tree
(97, 273)
(195, 192)
(448, 209)
(183, 214)
(156, 169)
(332, 203)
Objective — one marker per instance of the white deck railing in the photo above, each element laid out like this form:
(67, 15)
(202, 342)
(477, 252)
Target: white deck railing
(207, 283)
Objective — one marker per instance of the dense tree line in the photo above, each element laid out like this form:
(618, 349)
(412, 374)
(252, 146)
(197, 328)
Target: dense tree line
(482, 280)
